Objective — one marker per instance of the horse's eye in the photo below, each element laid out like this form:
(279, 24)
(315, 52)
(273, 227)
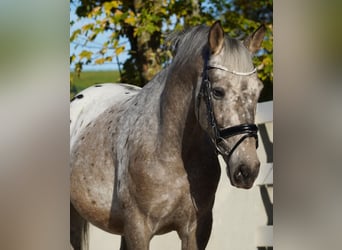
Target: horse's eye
(218, 93)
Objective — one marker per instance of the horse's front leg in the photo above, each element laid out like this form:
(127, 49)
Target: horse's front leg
(204, 226)
(197, 236)
(189, 243)
(123, 245)
(137, 234)
(188, 239)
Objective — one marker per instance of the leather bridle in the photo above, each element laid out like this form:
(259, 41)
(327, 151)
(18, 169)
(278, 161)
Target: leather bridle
(220, 134)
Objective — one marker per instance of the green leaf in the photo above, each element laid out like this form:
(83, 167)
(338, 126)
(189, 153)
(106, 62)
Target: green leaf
(92, 37)
(72, 58)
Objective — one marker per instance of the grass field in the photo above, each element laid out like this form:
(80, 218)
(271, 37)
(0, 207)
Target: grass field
(88, 78)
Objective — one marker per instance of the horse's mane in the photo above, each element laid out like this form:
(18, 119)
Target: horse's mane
(187, 43)
(191, 43)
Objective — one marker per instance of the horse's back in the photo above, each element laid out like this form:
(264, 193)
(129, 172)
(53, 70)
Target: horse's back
(87, 105)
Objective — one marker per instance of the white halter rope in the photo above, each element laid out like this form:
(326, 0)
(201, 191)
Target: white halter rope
(216, 66)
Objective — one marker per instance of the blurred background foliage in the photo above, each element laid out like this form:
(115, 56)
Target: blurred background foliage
(146, 24)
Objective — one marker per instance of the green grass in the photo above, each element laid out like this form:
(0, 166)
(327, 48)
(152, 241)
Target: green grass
(89, 78)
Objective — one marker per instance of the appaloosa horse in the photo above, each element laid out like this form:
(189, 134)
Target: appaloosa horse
(144, 161)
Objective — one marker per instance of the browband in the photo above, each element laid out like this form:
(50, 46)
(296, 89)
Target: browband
(217, 66)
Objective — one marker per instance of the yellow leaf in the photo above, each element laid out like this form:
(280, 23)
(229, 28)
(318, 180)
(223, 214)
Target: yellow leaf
(119, 50)
(130, 20)
(96, 11)
(75, 34)
(100, 61)
(118, 13)
(103, 51)
(116, 4)
(163, 11)
(115, 43)
(87, 27)
(108, 6)
(85, 54)
(135, 32)
(267, 61)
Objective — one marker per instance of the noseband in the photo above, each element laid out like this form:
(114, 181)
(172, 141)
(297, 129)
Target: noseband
(220, 134)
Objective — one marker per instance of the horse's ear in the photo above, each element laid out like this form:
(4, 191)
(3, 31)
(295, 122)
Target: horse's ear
(253, 42)
(216, 38)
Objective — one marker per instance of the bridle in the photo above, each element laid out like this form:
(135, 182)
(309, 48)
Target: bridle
(220, 134)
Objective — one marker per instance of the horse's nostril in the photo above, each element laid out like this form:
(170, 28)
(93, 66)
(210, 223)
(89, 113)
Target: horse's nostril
(241, 173)
(245, 173)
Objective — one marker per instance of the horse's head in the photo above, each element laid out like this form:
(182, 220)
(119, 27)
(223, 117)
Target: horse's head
(226, 102)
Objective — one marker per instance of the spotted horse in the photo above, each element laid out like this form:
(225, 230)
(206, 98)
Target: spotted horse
(144, 161)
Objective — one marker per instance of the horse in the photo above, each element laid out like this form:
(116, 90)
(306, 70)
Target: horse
(144, 162)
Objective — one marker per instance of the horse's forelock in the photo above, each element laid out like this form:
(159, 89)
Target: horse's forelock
(237, 56)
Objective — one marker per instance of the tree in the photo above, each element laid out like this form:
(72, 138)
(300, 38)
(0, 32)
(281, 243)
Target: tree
(146, 23)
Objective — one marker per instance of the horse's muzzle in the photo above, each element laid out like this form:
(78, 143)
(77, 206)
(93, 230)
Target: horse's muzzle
(244, 175)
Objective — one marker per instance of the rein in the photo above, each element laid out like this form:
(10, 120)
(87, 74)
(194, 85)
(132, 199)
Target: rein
(220, 134)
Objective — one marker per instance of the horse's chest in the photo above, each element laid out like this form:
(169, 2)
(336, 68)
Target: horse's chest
(158, 192)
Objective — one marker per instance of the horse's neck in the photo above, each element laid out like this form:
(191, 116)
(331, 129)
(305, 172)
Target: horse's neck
(177, 110)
